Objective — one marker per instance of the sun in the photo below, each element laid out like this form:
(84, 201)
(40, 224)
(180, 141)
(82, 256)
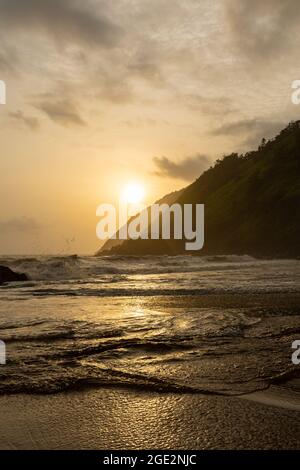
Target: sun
(133, 193)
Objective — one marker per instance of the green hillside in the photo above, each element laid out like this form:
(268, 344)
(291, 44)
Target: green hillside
(251, 202)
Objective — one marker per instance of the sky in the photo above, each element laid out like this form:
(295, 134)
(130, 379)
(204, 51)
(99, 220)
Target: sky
(101, 93)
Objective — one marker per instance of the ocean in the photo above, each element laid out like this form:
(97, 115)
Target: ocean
(185, 324)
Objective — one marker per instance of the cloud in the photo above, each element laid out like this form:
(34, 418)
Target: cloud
(9, 57)
(19, 224)
(146, 70)
(250, 130)
(213, 106)
(118, 83)
(5, 63)
(187, 169)
(63, 112)
(63, 20)
(116, 90)
(30, 122)
(236, 128)
(258, 29)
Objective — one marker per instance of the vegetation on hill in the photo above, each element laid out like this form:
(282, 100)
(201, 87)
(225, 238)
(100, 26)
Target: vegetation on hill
(251, 202)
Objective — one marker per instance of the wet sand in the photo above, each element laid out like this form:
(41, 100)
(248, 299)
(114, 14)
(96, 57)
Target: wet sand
(123, 418)
(287, 301)
(128, 419)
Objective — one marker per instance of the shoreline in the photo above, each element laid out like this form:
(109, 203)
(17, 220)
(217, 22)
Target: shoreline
(122, 418)
(274, 300)
(126, 418)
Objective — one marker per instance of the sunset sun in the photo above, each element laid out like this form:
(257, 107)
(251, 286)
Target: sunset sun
(133, 193)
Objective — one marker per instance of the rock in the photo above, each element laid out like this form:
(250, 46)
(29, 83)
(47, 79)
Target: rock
(7, 275)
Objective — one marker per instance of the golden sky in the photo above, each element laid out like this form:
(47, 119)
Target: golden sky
(102, 92)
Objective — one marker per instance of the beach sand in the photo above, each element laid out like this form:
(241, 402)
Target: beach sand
(111, 418)
(128, 418)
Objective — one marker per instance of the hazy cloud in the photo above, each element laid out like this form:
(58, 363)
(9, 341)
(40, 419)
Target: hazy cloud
(237, 128)
(5, 63)
(19, 224)
(148, 71)
(187, 169)
(213, 106)
(63, 20)
(30, 122)
(63, 112)
(262, 28)
(116, 90)
(118, 83)
(251, 131)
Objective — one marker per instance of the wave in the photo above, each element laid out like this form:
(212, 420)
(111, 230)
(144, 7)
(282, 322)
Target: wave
(187, 351)
(46, 268)
(75, 267)
(97, 376)
(154, 292)
(229, 259)
(74, 276)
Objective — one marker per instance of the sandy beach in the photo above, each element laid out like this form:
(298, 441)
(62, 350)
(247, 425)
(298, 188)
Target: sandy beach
(143, 362)
(127, 419)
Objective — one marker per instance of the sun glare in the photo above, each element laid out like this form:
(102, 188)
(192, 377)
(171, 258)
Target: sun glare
(133, 193)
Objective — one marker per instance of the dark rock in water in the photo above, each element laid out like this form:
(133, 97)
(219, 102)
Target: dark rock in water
(7, 275)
